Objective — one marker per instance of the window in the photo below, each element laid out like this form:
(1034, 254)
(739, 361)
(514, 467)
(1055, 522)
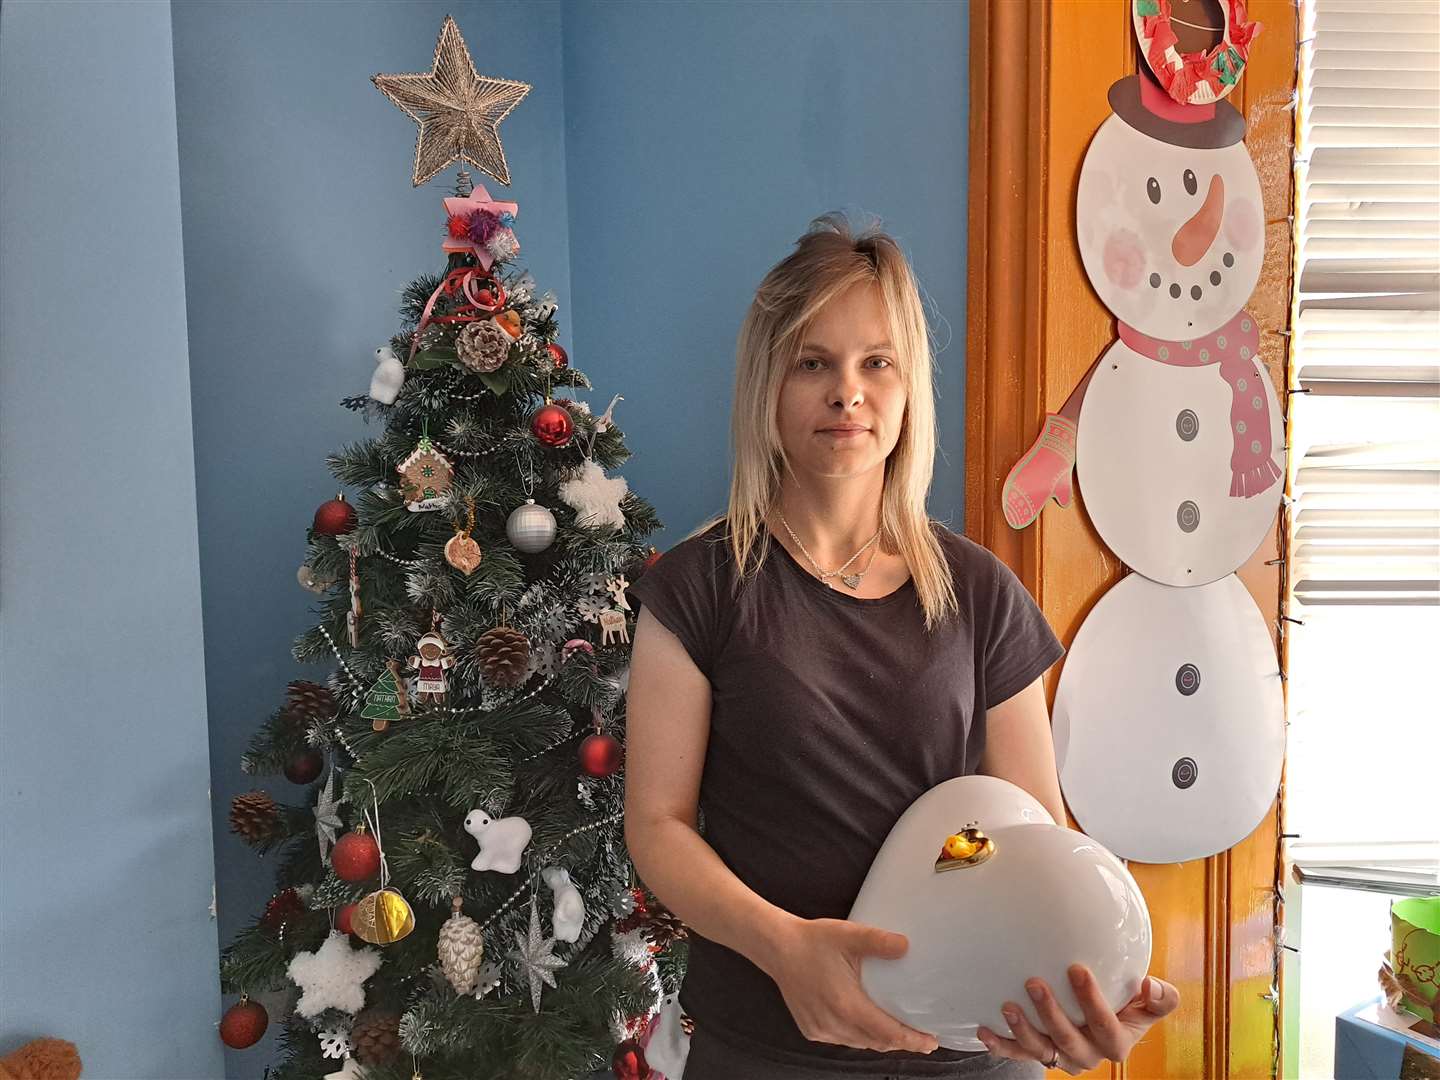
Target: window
(1363, 523)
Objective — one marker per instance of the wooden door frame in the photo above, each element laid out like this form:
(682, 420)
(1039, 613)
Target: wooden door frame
(1033, 328)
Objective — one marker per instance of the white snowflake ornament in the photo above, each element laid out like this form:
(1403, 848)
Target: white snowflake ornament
(334, 1043)
(542, 659)
(488, 979)
(557, 625)
(590, 608)
(598, 582)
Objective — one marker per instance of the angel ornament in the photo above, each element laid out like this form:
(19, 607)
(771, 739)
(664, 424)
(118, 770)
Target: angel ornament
(432, 658)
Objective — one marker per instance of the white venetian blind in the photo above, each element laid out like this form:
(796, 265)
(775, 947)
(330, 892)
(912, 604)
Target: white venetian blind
(1364, 526)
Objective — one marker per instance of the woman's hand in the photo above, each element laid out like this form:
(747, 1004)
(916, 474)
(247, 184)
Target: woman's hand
(1106, 1035)
(816, 965)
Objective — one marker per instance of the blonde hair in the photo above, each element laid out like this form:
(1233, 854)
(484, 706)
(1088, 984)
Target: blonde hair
(829, 259)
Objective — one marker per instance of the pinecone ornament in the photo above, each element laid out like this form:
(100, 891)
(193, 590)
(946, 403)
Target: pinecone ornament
(504, 656)
(461, 949)
(310, 701)
(482, 346)
(254, 816)
(662, 928)
(375, 1036)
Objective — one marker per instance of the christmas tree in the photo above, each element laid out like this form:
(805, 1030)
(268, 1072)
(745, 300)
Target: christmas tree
(453, 896)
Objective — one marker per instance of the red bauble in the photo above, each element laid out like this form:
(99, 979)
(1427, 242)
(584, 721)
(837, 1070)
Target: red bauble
(356, 857)
(491, 297)
(243, 1024)
(600, 755)
(629, 1062)
(281, 908)
(559, 355)
(335, 517)
(552, 425)
(652, 558)
(343, 918)
(305, 766)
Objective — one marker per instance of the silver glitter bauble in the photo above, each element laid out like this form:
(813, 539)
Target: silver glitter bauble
(531, 527)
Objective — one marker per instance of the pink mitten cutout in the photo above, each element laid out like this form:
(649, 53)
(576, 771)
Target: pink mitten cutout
(1044, 472)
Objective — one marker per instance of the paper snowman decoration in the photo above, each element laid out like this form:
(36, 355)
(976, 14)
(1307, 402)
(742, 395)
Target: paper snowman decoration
(991, 892)
(502, 842)
(568, 914)
(1170, 701)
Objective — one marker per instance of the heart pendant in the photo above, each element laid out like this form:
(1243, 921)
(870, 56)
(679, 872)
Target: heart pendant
(853, 580)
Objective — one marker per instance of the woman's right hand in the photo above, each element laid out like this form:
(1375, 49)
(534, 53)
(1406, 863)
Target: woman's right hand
(816, 965)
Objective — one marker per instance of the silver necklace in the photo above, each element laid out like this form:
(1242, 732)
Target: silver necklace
(852, 580)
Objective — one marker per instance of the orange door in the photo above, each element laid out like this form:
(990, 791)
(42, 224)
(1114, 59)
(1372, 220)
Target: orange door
(1039, 73)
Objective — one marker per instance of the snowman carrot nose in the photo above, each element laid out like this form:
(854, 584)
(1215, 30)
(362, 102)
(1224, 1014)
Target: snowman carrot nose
(1194, 238)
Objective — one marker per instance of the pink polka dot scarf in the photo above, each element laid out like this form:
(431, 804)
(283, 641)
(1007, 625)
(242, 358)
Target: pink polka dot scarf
(1234, 347)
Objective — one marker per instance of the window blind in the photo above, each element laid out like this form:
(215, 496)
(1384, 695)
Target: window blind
(1363, 523)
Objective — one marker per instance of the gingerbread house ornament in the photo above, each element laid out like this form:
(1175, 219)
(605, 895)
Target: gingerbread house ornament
(425, 477)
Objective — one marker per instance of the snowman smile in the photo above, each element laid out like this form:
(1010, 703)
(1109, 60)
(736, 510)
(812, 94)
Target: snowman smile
(1178, 291)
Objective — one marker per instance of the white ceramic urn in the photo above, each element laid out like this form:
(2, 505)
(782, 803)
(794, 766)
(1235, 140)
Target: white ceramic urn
(1014, 897)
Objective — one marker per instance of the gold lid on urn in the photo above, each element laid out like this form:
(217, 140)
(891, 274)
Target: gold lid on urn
(968, 847)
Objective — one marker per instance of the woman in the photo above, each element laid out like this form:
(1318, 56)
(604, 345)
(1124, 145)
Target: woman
(808, 664)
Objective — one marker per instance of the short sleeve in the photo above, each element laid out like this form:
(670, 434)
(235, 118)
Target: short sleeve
(681, 589)
(1019, 644)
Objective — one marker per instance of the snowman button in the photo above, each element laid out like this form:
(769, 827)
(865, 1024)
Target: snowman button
(1187, 516)
(1187, 425)
(1187, 679)
(1184, 773)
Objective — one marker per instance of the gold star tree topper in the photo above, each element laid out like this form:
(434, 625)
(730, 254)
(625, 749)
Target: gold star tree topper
(459, 111)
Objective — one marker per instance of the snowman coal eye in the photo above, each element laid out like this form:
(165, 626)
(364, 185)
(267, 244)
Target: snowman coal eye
(1190, 185)
(1152, 188)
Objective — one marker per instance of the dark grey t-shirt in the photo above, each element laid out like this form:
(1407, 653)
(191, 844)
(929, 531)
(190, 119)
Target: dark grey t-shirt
(830, 714)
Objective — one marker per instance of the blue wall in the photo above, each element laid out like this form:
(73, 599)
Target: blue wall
(106, 936)
(701, 139)
(668, 154)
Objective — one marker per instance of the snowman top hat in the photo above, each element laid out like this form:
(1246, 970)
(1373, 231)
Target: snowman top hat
(1141, 103)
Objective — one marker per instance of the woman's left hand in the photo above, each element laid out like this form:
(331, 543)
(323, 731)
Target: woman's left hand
(1106, 1036)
